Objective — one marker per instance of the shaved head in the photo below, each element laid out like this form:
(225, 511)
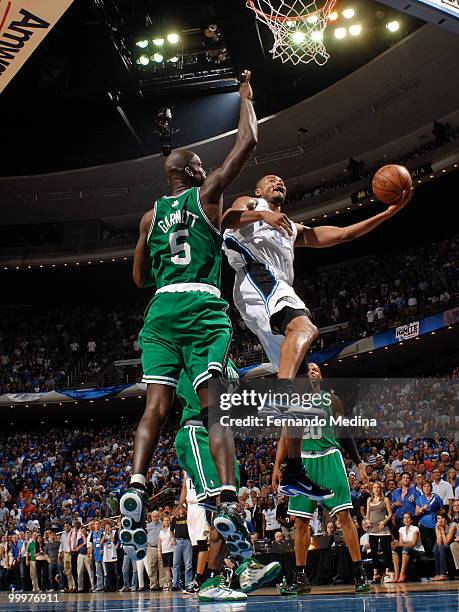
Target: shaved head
(184, 168)
(177, 161)
(314, 371)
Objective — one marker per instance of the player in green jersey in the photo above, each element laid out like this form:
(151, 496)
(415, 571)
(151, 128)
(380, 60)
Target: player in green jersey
(322, 459)
(193, 454)
(186, 325)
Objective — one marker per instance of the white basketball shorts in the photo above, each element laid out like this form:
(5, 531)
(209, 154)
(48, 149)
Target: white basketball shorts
(257, 300)
(198, 526)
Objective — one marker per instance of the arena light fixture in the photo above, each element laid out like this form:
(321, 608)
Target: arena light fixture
(333, 16)
(393, 26)
(173, 38)
(355, 29)
(340, 33)
(143, 60)
(298, 37)
(174, 59)
(142, 43)
(291, 23)
(317, 35)
(158, 42)
(312, 19)
(348, 13)
(158, 58)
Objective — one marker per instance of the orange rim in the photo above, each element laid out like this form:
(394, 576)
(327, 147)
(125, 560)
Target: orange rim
(326, 8)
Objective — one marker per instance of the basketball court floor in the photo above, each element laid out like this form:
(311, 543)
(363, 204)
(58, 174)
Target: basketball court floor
(418, 597)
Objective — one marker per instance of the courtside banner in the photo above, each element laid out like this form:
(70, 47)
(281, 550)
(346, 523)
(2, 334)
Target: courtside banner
(24, 24)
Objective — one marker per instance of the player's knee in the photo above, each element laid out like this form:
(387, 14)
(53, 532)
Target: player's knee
(310, 330)
(202, 546)
(344, 518)
(302, 525)
(314, 331)
(304, 331)
(156, 410)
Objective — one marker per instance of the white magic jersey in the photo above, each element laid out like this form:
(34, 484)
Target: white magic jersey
(265, 244)
(263, 260)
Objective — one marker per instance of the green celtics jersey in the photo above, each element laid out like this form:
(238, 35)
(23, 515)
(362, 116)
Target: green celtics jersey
(189, 398)
(184, 246)
(321, 437)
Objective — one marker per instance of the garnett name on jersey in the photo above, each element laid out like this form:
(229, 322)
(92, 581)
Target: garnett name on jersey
(177, 216)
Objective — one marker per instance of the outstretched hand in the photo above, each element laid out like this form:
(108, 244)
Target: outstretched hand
(245, 90)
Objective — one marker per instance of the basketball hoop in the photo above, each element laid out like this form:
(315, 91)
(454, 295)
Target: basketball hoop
(297, 26)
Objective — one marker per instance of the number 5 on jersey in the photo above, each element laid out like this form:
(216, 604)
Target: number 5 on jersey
(178, 244)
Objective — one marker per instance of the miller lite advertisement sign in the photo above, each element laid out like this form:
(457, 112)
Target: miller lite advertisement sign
(24, 24)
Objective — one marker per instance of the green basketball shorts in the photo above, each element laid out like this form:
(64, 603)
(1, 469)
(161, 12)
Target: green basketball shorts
(184, 330)
(327, 469)
(193, 454)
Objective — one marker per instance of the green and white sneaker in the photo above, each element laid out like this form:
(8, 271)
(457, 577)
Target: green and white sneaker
(214, 589)
(253, 575)
(230, 524)
(133, 535)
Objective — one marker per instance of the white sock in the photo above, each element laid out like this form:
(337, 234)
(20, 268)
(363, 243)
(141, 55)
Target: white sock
(139, 478)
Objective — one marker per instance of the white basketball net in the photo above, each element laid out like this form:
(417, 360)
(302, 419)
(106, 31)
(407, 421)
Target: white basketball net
(298, 27)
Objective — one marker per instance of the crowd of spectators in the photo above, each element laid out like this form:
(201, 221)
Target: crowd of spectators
(43, 350)
(58, 477)
(40, 350)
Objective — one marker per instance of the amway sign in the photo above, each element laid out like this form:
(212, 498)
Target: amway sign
(24, 24)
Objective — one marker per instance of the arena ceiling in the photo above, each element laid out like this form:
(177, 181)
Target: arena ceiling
(61, 115)
(397, 93)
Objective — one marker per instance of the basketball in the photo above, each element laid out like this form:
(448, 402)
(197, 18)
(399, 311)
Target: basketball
(390, 183)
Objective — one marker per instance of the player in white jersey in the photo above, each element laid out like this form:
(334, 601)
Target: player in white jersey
(259, 242)
(262, 258)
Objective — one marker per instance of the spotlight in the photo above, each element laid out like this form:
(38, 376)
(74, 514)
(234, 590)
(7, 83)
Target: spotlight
(393, 26)
(291, 23)
(173, 38)
(158, 42)
(333, 16)
(174, 59)
(142, 43)
(355, 29)
(317, 35)
(340, 33)
(312, 19)
(348, 13)
(158, 58)
(143, 60)
(298, 37)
